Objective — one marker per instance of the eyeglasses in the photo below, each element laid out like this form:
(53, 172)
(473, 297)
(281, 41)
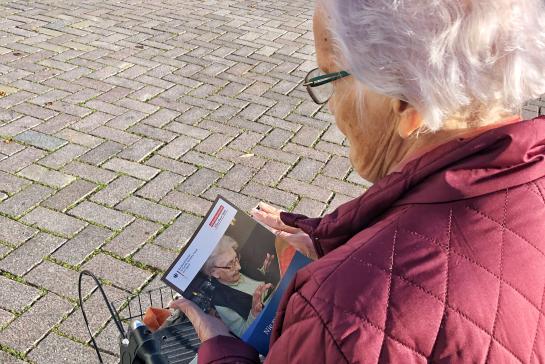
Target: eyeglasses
(319, 84)
(232, 264)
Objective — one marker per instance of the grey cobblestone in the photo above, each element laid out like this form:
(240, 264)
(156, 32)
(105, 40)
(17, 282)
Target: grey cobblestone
(162, 184)
(177, 234)
(57, 279)
(15, 296)
(155, 256)
(40, 140)
(82, 245)
(13, 232)
(54, 221)
(21, 160)
(34, 324)
(89, 172)
(117, 190)
(62, 156)
(132, 237)
(25, 200)
(102, 152)
(101, 215)
(131, 168)
(69, 195)
(147, 209)
(22, 259)
(120, 273)
(46, 176)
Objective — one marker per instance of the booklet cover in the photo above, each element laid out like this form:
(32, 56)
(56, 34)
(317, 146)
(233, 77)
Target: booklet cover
(235, 268)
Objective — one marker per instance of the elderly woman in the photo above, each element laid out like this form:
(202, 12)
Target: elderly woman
(443, 259)
(224, 265)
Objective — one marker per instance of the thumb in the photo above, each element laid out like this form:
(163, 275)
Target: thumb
(188, 308)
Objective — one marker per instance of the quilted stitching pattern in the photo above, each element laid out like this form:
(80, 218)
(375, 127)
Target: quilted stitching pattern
(461, 296)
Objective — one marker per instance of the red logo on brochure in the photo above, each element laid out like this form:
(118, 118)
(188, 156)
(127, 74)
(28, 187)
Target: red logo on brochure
(216, 216)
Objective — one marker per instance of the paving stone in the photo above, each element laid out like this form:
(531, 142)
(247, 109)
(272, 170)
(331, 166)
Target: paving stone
(70, 195)
(171, 165)
(21, 160)
(147, 209)
(213, 143)
(341, 187)
(162, 184)
(155, 256)
(355, 178)
(77, 137)
(296, 149)
(186, 202)
(132, 237)
(8, 148)
(245, 203)
(75, 250)
(16, 296)
(18, 126)
(6, 358)
(101, 153)
(117, 190)
(126, 120)
(338, 200)
(54, 221)
(271, 173)
(280, 198)
(13, 232)
(309, 207)
(199, 181)
(305, 189)
(120, 273)
(22, 333)
(276, 138)
(161, 117)
(92, 121)
(131, 168)
(22, 259)
(12, 184)
(331, 148)
(337, 167)
(25, 200)
(189, 130)
(101, 215)
(306, 170)
(237, 177)
(89, 172)
(274, 154)
(5, 317)
(152, 132)
(58, 279)
(46, 176)
(40, 140)
(62, 156)
(179, 233)
(60, 350)
(207, 161)
(140, 150)
(178, 147)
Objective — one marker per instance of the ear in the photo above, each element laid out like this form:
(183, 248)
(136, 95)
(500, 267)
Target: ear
(409, 118)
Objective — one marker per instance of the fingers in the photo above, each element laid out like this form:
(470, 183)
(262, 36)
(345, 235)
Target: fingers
(268, 208)
(188, 308)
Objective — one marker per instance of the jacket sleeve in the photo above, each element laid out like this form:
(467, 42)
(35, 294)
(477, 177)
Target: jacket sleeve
(293, 345)
(227, 350)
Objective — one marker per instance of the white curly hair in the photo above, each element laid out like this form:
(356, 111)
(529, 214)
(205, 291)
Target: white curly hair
(444, 57)
(225, 244)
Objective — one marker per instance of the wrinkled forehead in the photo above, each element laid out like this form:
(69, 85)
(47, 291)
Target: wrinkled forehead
(325, 55)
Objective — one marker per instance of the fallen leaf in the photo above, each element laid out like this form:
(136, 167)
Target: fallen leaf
(247, 155)
(2, 93)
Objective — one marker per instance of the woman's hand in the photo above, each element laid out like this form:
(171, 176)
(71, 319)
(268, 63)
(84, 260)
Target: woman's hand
(206, 326)
(270, 217)
(257, 298)
(266, 263)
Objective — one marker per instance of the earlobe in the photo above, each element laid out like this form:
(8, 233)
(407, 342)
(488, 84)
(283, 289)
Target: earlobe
(410, 121)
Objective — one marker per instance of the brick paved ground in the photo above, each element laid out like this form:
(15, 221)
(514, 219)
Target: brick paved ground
(120, 122)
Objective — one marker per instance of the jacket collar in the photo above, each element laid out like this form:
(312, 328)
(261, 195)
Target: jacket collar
(497, 159)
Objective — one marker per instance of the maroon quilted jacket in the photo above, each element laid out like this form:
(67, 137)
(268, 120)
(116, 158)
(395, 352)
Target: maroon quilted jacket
(442, 262)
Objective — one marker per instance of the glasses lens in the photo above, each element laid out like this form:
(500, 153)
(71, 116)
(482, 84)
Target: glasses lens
(320, 94)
